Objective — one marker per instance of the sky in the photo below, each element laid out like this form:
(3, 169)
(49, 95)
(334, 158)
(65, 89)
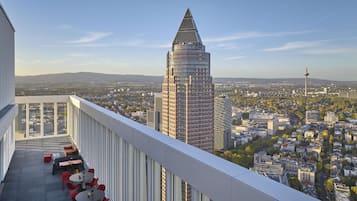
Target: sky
(254, 39)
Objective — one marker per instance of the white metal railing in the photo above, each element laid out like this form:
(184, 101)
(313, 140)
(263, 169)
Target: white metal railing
(41, 116)
(128, 158)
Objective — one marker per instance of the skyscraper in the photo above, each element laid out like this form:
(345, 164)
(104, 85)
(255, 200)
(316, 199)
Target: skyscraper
(187, 93)
(222, 122)
(187, 90)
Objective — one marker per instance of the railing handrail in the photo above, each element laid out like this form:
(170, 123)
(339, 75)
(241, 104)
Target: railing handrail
(215, 177)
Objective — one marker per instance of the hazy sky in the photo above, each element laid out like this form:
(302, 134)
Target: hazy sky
(245, 38)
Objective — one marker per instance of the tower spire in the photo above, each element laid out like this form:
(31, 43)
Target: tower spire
(187, 32)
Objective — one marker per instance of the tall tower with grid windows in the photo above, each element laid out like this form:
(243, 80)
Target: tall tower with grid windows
(188, 91)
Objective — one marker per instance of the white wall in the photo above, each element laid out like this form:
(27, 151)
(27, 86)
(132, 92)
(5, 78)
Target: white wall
(7, 148)
(7, 67)
(7, 92)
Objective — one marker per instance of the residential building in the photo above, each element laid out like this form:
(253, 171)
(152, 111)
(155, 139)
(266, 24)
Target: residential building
(342, 192)
(8, 109)
(222, 122)
(273, 125)
(331, 118)
(312, 116)
(267, 166)
(306, 175)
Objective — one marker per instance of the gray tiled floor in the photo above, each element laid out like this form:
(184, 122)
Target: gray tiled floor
(29, 179)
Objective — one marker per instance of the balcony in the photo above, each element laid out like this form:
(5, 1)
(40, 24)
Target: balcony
(127, 156)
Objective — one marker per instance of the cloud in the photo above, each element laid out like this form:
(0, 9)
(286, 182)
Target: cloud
(227, 46)
(294, 45)
(248, 35)
(39, 61)
(130, 43)
(330, 51)
(234, 58)
(91, 37)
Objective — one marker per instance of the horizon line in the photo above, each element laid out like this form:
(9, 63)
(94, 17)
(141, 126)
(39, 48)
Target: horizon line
(272, 78)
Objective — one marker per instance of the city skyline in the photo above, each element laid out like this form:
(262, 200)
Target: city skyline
(247, 39)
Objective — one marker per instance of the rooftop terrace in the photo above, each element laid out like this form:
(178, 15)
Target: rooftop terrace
(29, 178)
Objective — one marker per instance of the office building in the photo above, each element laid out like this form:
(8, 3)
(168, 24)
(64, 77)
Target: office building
(188, 92)
(154, 116)
(222, 122)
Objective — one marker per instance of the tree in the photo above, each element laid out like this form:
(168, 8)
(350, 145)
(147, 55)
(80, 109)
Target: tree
(341, 117)
(319, 165)
(227, 155)
(329, 184)
(353, 193)
(354, 116)
(299, 137)
(325, 134)
(327, 167)
(295, 183)
(285, 136)
(248, 149)
(331, 139)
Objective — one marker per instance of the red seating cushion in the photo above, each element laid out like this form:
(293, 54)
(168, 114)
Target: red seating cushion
(73, 194)
(47, 157)
(101, 187)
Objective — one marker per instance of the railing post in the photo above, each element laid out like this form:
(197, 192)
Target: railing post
(27, 132)
(177, 188)
(41, 121)
(55, 118)
(195, 195)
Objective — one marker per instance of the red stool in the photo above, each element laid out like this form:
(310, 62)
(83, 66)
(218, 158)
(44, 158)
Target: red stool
(47, 157)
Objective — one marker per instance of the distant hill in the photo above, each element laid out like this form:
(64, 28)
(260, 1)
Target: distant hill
(84, 77)
(100, 78)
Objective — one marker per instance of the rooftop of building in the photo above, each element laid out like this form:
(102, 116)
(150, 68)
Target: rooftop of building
(28, 177)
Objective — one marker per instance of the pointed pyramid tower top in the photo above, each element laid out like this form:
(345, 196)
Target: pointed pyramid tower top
(187, 32)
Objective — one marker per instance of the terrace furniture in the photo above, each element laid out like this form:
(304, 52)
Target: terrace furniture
(81, 178)
(90, 195)
(91, 170)
(70, 150)
(65, 178)
(58, 164)
(72, 186)
(47, 157)
(101, 187)
(73, 194)
(93, 183)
